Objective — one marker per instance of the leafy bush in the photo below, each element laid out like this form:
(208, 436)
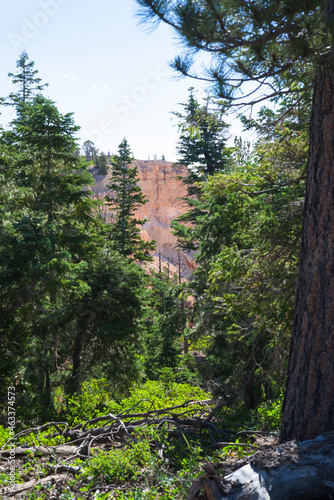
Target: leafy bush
(119, 465)
(93, 400)
(269, 414)
(5, 434)
(156, 395)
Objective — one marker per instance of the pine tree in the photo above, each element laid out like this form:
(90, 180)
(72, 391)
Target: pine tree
(201, 148)
(126, 198)
(90, 150)
(260, 41)
(202, 138)
(29, 84)
(101, 163)
(103, 321)
(48, 231)
(53, 253)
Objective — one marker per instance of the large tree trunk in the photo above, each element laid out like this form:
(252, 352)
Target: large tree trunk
(293, 471)
(308, 408)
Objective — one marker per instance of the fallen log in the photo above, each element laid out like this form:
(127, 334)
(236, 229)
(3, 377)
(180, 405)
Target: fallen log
(17, 489)
(41, 450)
(292, 471)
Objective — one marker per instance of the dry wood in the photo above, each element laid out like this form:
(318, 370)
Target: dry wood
(42, 450)
(17, 489)
(293, 471)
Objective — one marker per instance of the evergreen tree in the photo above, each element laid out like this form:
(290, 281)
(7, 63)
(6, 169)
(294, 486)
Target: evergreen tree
(101, 163)
(89, 149)
(103, 322)
(29, 84)
(260, 41)
(63, 292)
(274, 44)
(201, 148)
(48, 231)
(126, 198)
(202, 138)
(247, 261)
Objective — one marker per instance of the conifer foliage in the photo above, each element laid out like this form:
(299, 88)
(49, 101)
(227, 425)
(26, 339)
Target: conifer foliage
(55, 308)
(126, 198)
(201, 148)
(202, 138)
(26, 77)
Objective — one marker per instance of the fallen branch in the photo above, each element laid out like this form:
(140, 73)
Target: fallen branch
(16, 489)
(42, 450)
(191, 418)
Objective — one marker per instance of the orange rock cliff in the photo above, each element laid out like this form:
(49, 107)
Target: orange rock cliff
(160, 182)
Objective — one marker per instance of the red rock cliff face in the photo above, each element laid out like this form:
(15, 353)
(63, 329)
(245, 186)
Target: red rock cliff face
(159, 181)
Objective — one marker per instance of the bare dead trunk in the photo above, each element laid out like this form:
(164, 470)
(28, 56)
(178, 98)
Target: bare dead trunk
(308, 408)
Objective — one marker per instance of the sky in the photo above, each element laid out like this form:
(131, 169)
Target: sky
(102, 65)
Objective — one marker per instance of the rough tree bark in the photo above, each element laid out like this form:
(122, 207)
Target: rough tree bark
(308, 408)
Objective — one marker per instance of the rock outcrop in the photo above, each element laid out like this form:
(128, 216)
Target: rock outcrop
(160, 182)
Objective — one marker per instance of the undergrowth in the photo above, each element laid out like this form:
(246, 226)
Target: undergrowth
(154, 465)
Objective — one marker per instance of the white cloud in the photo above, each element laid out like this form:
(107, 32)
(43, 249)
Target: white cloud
(105, 85)
(95, 87)
(69, 77)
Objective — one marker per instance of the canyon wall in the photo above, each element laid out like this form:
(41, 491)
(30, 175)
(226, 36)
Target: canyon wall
(160, 182)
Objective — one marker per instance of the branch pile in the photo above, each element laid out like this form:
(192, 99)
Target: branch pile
(192, 419)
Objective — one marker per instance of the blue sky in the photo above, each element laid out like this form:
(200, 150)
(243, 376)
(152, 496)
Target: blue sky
(101, 65)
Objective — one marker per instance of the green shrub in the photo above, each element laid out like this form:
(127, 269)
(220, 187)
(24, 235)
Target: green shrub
(119, 465)
(93, 400)
(156, 395)
(5, 434)
(269, 414)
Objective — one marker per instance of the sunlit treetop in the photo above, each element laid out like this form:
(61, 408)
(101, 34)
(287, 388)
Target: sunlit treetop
(26, 78)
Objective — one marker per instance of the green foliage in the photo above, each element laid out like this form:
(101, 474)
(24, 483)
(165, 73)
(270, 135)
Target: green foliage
(269, 414)
(247, 260)
(101, 163)
(48, 232)
(202, 149)
(202, 139)
(164, 341)
(29, 83)
(5, 435)
(241, 43)
(147, 475)
(126, 198)
(105, 319)
(66, 298)
(89, 150)
(94, 399)
(119, 465)
(155, 395)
